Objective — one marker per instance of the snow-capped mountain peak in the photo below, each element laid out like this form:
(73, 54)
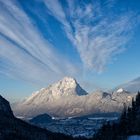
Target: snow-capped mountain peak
(120, 90)
(68, 82)
(64, 85)
(66, 98)
(64, 88)
(57, 95)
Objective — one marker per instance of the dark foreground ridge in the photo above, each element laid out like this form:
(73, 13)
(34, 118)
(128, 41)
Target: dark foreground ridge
(12, 128)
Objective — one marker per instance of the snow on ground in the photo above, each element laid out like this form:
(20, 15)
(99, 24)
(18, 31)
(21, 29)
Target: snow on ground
(135, 137)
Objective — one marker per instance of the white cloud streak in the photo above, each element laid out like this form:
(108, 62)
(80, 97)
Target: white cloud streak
(27, 54)
(98, 37)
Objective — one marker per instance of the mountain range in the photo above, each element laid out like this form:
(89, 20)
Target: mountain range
(66, 98)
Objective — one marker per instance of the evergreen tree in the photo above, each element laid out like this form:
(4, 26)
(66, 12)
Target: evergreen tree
(129, 124)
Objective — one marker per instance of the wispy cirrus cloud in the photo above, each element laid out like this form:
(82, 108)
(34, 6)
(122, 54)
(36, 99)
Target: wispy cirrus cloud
(24, 52)
(97, 36)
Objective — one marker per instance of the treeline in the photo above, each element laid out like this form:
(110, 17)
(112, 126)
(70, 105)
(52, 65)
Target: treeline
(128, 124)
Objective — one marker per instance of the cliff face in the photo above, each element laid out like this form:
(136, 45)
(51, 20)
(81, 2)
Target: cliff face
(5, 108)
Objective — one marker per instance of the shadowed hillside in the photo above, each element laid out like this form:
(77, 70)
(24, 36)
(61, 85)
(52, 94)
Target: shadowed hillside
(12, 128)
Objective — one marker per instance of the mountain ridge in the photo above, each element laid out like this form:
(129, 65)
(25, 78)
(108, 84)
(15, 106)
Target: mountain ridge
(61, 99)
(5, 107)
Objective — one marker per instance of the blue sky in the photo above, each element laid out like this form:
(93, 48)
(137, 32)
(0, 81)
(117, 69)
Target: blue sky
(41, 41)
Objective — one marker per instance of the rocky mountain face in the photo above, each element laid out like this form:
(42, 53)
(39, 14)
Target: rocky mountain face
(5, 107)
(67, 99)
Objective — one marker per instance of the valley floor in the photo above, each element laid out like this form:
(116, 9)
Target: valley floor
(76, 126)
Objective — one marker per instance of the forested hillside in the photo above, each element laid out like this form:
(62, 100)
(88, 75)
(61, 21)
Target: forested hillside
(127, 125)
